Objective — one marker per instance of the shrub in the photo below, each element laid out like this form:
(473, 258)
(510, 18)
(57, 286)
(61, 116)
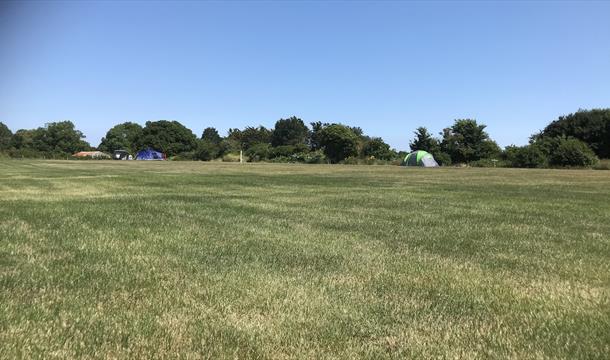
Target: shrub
(258, 152)
(287, 150)
(339, 142)
(603, 165)
(28, 153)
(314, 157)
(231, 157)
(307, 157)
(185, 156)
(442, 158)
(353, 160)
(206, 150)
(529, 156)
(488, 163)
(378, 149)
(572, 152)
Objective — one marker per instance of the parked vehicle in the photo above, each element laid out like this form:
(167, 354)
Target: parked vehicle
(121, 155)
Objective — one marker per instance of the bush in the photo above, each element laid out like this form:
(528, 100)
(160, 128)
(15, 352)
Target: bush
(307, 157)
(353, 160)
(339, 142)
(488, 163)
(442, 158)
(185, 156)
(603, 165)
(377, 149)
(231, 157)
(572, 152)
(287, 150)
(314, 157)
(206, 150)
(258, 152)
(529, 156)
(27, 153)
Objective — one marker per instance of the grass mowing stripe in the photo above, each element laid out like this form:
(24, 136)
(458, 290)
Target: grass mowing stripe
(139, 259)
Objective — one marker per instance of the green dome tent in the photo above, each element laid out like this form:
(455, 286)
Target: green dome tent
(420, 158)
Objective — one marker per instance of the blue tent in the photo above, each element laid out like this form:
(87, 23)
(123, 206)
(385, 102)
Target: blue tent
(150, 154)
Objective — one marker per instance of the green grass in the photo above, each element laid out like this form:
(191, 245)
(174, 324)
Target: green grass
(213, 260)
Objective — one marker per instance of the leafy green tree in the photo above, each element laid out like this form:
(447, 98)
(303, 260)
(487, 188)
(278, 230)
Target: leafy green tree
(358, 131)
(467, 141)
(211, 134)
(6, 136)
(123, 136)
(378, 149)
(291, 131)
(590, 126)
(258, 152)
(59, 137)
(287, 150)
(207, 150)
(314, 135)
(210, 146)
(529, 156)
(572, 152)
(339, 142)
(424, 141)
(170, 137)
(442, 158)
(24, 139)
(229, 145)
(250, 136)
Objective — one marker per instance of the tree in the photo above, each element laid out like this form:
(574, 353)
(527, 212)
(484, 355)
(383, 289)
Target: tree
(339, 142)
(124, 136)
(424, 141)
(59, 137)
(291, 131)
(287, 150)
(529, 156)
(211, 134)
(467, 141)
(210, 146)
(207, 150)
(590, 126)
(171, 137)
(378, 149)
(314, 135)
(250, 136)
(6, 136)
(24, 139)
(572, 152)
(258, 152)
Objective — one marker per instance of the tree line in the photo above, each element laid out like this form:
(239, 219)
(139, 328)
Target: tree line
(577, 139)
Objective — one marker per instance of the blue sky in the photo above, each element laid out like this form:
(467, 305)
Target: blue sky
(387, 67)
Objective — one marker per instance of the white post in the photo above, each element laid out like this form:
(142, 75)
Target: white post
(241, 156)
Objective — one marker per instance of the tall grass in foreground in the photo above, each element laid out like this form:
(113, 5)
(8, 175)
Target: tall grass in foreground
(132, 259)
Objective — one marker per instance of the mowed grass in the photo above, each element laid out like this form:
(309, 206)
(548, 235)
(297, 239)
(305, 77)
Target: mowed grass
(209, 260)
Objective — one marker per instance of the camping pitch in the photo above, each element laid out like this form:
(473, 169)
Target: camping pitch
(420, 158)
(150, 154)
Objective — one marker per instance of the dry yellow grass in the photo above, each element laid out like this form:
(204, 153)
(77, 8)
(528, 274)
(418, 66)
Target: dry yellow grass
(106, 259)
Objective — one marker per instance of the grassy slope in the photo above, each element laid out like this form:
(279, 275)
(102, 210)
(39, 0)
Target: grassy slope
(285, 261)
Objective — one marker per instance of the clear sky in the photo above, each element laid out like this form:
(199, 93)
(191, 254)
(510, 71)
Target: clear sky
(387, 67)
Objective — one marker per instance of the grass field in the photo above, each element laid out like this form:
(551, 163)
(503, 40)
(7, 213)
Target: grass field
(212, 260)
